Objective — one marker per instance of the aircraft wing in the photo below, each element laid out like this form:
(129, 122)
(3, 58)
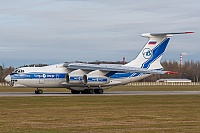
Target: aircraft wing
(112, 68)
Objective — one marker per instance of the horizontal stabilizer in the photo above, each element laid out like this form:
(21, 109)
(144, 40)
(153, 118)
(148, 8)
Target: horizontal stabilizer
(165, 34)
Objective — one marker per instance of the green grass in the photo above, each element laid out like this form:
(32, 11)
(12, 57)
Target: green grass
(175, 113)
(145, 114)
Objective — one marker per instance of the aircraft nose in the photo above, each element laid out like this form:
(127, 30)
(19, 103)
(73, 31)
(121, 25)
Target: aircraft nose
(7, 78)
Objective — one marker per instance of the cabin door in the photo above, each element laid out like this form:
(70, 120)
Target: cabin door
(42, 79)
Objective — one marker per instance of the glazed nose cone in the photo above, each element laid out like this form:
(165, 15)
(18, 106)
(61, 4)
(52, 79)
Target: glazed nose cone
(7, 78)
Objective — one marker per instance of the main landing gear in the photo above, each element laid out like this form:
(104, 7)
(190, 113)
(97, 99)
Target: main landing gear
(75, 92)
(88, 91)
(38, 91)
(98, 91)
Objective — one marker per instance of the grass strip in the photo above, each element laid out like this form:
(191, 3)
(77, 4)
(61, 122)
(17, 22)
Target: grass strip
(167, 113)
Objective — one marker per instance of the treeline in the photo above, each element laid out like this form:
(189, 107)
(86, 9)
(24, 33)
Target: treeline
(5, 71)
(189, 70)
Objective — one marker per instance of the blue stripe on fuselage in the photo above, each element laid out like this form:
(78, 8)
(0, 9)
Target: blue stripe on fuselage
(36, 75)
(121, 75)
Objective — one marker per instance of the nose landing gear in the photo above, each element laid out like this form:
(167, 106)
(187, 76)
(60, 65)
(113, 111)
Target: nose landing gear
(38, 91)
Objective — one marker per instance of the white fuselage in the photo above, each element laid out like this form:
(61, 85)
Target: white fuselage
(54, 76)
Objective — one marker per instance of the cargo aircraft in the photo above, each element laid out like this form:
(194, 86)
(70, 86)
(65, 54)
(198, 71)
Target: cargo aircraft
(95, 78)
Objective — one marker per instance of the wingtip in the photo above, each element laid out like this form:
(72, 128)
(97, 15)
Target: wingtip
(189, 32)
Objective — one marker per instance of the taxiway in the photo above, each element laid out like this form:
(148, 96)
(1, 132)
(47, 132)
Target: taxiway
(111, 93)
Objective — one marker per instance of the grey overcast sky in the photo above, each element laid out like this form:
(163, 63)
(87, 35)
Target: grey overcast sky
(55, 31)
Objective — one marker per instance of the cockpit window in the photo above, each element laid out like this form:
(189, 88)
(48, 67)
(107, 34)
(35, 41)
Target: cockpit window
(18, 71)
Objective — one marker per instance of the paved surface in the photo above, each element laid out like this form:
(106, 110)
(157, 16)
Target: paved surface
(112, 93)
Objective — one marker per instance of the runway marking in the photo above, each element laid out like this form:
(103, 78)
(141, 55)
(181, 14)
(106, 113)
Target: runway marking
(111, 93)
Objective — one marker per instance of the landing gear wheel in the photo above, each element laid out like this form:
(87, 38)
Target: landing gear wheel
(75, 92)
(98, 91)
(87, 91)
(84, 91)
(90, 91)
(38, 91)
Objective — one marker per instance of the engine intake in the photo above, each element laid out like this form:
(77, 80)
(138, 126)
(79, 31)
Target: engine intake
(75, 77)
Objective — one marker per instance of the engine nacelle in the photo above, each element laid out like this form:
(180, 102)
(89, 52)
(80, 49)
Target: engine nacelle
(95, 78)
(75, 77)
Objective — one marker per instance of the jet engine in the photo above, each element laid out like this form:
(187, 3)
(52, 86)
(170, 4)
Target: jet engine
(75, 77)
(95, 78)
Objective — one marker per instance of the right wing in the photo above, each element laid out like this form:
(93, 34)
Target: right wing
(112, 68)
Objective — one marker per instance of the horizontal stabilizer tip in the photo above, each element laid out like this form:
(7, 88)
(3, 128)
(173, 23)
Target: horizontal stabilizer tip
(171, 72)
(189, 32)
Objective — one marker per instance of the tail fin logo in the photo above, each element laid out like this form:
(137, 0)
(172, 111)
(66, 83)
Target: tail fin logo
(147, 53)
